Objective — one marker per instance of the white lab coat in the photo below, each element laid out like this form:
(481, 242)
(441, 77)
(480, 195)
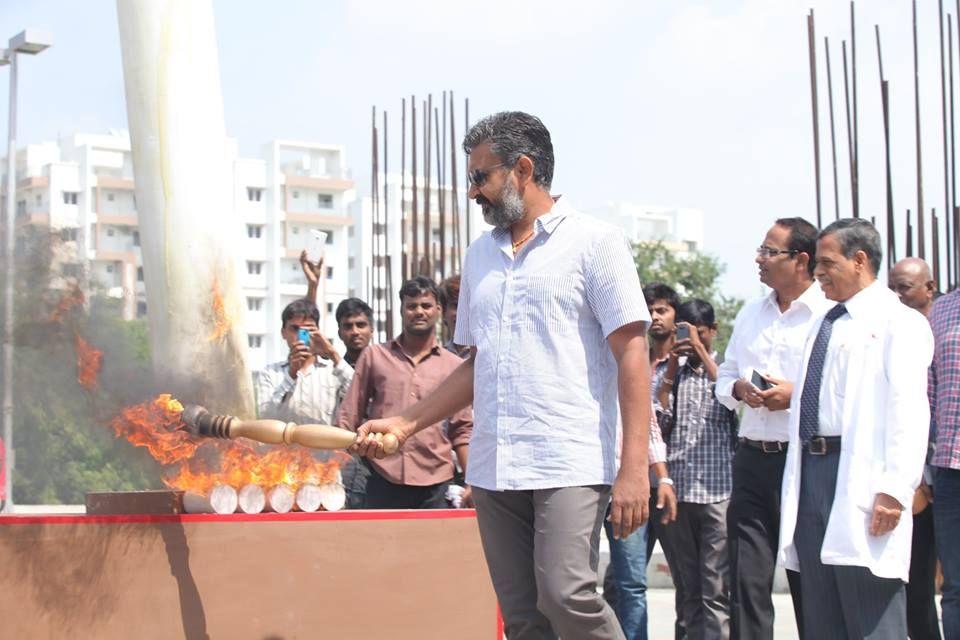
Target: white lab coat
(885, 424)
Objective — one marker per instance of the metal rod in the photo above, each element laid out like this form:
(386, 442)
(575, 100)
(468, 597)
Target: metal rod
(811, 36)
(466, 184)
(921, 236)
(374, 202)
(414, 230)
(403, 189)
(457, 258)
(855, 179)
(442, 266)
(952, 247)
(885, 104)
(833, 137)
(427, 236)
(946, 146)
(846, 109)
(9, 461)
(909, 236)
(935, 234)
(385, 222)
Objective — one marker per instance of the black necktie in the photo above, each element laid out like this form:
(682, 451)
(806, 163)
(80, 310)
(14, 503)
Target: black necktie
(810, 400)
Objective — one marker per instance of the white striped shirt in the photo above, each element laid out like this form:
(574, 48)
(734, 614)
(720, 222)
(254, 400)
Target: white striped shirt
(545, 383)
(314, 396)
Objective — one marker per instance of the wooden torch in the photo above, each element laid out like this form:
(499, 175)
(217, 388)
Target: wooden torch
(315, 436)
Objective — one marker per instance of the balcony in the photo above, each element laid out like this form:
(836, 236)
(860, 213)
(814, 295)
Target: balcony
(325, 183)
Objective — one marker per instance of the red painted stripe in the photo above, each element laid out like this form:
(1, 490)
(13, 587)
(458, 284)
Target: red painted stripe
(499, 624)
(296, 516)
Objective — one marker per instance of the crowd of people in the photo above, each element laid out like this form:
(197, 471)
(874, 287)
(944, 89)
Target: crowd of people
(572, 399)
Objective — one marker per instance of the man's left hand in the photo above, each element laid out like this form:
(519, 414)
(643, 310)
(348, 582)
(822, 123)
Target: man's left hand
(777, 397)
(630, 506)
(886, 514)
(667, 502)
(466, 498)
(311, 270)
(323, 347)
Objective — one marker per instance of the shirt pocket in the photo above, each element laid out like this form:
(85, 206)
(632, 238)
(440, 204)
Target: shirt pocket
(553, 303)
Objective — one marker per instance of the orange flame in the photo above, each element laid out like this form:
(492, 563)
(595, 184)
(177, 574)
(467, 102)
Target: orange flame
(221, 320)
(89, 362)
(201, 464)
(69, 300)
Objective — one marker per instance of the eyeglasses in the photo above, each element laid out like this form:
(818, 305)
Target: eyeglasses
(767, 252)
(479, 177)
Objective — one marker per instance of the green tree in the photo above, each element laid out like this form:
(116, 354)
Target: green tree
(696, 275)
(63, 443)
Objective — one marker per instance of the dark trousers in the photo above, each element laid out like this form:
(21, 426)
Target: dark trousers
(355, 474)
(383, 494)
(657, 531)
(839, 602)
(753, 524)
(946, 519)
(698, 540)
(922, 622)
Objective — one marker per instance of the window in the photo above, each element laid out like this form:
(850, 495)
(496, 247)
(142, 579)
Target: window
(329, 237)
(329, 307)
(110, 232)
(254, 230)
(325, 201)
(136, 238)
(329, 273)
(293, 267)
(69, 197)
(109, 268)
(110, 197)
(296, 195)
(254, 194)
(254, 268)
(350, 231)
(295, 230)
(40, 199)
(254, 304)
(351, 263)
(139, 274)
(379, 228)
(68, 235)
(141, 309)
(21, 208)
(254, 341)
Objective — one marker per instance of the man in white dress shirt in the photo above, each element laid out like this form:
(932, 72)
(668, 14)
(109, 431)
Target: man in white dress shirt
(858, 438)
(768, 338)
(551, 305)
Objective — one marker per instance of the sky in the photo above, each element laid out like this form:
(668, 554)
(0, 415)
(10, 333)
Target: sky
(702, 104)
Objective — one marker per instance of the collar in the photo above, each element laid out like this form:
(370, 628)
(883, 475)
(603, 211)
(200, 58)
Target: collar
(862, 300)
(395, 345)
(812, 298)
(545, 223)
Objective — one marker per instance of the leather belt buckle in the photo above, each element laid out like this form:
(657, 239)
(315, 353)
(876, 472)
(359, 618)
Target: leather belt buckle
(817, 446)
(771, 447)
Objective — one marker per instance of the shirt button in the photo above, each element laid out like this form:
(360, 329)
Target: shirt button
(413, 394)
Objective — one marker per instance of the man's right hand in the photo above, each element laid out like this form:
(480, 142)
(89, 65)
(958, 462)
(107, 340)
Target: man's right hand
(922, 498)
(747, 393)
(299, 355)
(369, 447)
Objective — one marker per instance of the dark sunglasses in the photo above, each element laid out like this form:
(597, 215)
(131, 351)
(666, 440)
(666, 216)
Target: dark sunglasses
(479, 177)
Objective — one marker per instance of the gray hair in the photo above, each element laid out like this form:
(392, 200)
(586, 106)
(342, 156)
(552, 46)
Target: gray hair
(512, 134)
(857, 234)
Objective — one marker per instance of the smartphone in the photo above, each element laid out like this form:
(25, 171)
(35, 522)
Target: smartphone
(683, 332)
(303, 335)
(315, 247)
(759, 381)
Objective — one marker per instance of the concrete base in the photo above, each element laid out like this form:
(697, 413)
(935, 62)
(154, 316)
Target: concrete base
(352, 574)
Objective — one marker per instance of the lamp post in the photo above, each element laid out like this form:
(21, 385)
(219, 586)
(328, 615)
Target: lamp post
(30, 42)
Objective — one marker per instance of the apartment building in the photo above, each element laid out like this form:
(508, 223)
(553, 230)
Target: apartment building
(680, 229)
(81, 193)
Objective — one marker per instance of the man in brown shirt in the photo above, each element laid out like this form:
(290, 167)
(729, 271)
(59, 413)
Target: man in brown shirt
(392, 376)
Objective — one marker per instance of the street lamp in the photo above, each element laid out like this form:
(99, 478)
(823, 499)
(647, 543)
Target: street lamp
(30, 42)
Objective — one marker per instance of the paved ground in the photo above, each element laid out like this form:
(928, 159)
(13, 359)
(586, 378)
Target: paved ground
(660, 615)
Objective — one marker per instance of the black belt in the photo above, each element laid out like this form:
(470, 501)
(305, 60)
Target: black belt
(765, 446)
(822, 445)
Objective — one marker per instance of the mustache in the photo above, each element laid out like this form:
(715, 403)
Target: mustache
(483, 202)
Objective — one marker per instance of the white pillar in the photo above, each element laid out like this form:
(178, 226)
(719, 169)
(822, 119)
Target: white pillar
(183, 183)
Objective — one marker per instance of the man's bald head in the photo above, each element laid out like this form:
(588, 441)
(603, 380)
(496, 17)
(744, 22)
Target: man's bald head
(912, 281)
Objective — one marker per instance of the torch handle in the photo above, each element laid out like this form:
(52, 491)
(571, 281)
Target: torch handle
(314, 436)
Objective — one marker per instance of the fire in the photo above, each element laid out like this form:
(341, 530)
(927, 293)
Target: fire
(221, 320)
(198, 465)
(89, 362)
(69, 300)
(156, 425)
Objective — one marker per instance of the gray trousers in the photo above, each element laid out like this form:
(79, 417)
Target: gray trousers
(542, 550)
(698, 542)
(839, 602)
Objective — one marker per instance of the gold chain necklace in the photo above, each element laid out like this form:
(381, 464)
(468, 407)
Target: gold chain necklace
(520, 243)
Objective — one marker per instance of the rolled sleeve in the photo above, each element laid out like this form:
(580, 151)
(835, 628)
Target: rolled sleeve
(658, 448)
(460, 428)
(613, 286)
